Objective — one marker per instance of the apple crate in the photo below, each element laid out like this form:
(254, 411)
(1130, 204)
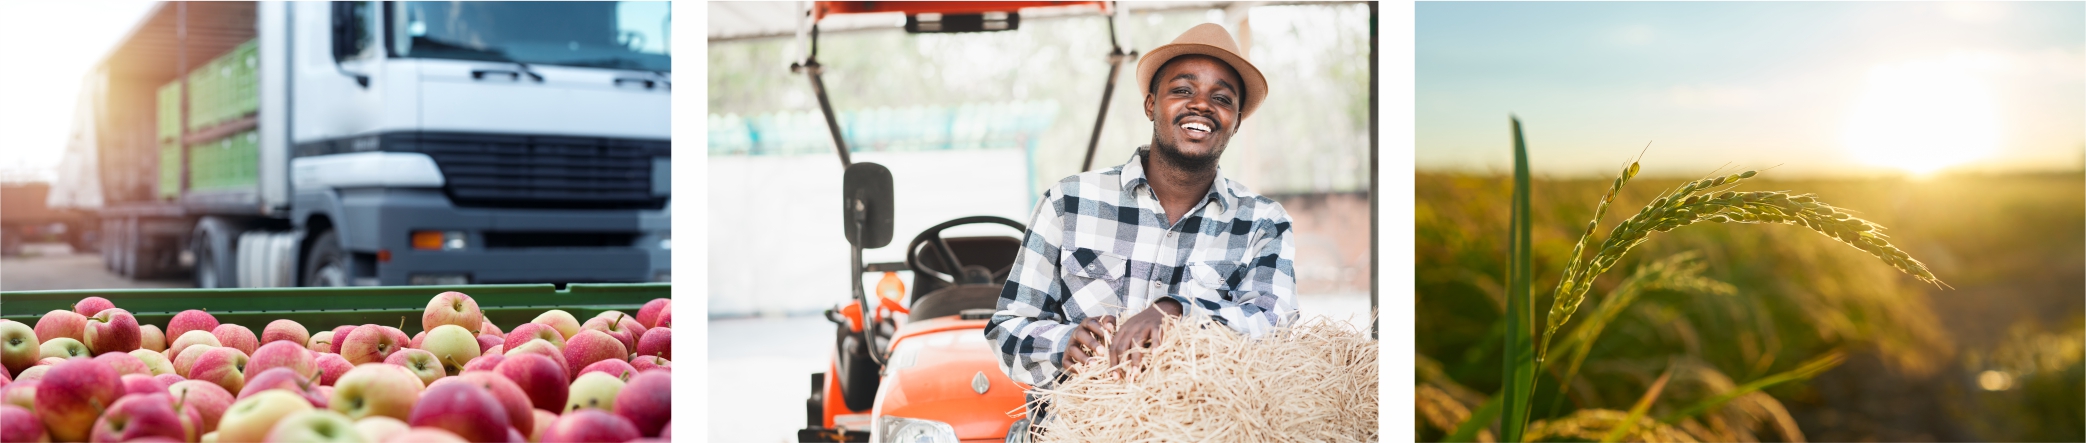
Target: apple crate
(322, 309)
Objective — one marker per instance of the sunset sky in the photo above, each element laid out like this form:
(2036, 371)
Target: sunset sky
(1850, 88)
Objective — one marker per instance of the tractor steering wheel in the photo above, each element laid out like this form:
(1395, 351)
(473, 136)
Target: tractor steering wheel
(934, 234)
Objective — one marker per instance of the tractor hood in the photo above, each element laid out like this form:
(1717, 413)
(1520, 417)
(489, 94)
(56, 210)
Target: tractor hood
(937, 373)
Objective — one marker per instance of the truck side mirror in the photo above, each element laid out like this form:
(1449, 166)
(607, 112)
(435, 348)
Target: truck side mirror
(347, 28)
(866, 204)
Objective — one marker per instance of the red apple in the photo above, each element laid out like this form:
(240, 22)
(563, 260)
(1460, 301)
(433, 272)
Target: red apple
(206, 398)
(591, 346)
(612, 367)
(252, 418)
(113, 330)
(503, 390)
(594, 390)
(318, 425)
(124, 363)
(321, 342)
(462, 408)
(484, 362)
(139, 416)
(61, 323)
(340, 336)
(623, 329)
(19, 347)
(169, 379)
(224, 366)
(649, 362)
(452, 308)
(282, 354)
(185, 364)
(416, 339)
(380, 428)
(191, 320)
(647, 401)
(666, 317)
(486, 342)
(18, 424)
(141, 384)
(590, 426)
(657, 341)
(74, 394)
(287, 380)
(649, 315)
(372, 343)
(420, 362)
(155, 362)
(560, 320)
(20, 393)
(63, 348)
(376, 389)
(490, 328)
(425, 435)
(452, 345)
(91, 305)
(539, 377)
(330, 367)
(237, 337)
(533, 331)
(191, 338)
(285, 329)
(150, 338)
(547, 350)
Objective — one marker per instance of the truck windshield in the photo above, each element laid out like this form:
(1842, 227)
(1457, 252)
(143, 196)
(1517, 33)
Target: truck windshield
(617, 35)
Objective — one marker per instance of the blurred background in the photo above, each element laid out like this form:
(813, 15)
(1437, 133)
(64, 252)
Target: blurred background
(278, 144)
(1959, 126)
(979, 124)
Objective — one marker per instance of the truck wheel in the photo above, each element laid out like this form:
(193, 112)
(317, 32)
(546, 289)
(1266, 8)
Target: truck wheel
(327, 263)
(216, 261)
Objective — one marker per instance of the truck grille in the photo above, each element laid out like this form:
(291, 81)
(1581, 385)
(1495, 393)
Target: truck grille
(545, 172)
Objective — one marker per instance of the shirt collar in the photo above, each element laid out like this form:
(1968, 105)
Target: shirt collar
(1133, 176)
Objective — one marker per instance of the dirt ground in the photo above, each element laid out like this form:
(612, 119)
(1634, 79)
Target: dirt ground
(48, 266)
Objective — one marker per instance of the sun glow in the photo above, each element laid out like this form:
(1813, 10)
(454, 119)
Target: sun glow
(1924, 116)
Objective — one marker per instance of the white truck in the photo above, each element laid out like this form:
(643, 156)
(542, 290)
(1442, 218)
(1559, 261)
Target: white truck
(380, 143)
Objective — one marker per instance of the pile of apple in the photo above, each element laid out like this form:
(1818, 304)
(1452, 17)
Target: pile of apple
(95, 374)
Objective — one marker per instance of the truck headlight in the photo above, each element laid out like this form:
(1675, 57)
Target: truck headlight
(912, 430)
(438, 240)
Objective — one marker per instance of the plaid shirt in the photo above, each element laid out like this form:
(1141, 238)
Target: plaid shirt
(1098, 244)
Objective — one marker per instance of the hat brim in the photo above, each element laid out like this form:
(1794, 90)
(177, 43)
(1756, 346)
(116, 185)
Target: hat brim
(1256, 85)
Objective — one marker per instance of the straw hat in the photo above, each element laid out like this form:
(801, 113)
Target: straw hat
(1212, 40)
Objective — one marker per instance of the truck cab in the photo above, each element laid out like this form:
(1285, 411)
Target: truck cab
(386, 143)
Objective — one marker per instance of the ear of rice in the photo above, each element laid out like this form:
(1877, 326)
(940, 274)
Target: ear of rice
(1313, 381)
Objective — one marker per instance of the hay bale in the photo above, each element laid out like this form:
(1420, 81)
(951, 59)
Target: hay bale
(1314, 381)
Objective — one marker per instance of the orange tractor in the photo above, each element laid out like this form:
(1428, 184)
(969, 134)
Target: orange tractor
(924, 371)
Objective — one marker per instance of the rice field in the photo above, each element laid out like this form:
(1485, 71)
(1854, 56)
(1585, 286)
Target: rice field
(1763, 332)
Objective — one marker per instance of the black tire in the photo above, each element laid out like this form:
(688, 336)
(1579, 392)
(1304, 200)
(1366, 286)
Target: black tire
(217, 258)
(327, 263)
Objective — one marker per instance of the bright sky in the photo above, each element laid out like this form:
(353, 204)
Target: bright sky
(1819, 88)
(51, 46)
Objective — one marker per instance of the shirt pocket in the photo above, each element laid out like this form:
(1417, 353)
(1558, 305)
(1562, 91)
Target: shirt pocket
(1094, 278)
(1210, 280)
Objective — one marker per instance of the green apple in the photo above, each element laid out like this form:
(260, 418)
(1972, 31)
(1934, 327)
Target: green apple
(19, 348)
(376, 389)
(594, 390)
(452, 345)
(63, 347)
(317, 425)
(252, 418)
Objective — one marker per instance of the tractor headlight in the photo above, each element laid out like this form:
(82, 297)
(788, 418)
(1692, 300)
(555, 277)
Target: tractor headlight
(912, 430)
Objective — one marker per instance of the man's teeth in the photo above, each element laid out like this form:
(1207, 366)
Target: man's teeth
(1196, 127)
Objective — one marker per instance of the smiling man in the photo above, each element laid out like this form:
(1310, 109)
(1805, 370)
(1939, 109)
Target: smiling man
(1161, 235)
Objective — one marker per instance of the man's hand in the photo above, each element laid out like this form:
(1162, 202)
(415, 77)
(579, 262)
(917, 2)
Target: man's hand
(1141, 331)
(1088, 338)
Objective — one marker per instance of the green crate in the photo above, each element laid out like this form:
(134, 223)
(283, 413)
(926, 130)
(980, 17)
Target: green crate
(169, 113)
(169, 170)
(322, 309)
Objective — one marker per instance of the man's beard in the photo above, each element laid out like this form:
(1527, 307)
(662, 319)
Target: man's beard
(1172, 155)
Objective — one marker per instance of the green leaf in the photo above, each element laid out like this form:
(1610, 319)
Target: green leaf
(1629, 423)
(1804, 371)
(1519, 365)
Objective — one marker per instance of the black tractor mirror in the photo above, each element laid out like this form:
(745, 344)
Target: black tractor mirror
(866, 203)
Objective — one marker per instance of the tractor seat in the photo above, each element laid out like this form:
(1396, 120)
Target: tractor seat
(953, 300)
